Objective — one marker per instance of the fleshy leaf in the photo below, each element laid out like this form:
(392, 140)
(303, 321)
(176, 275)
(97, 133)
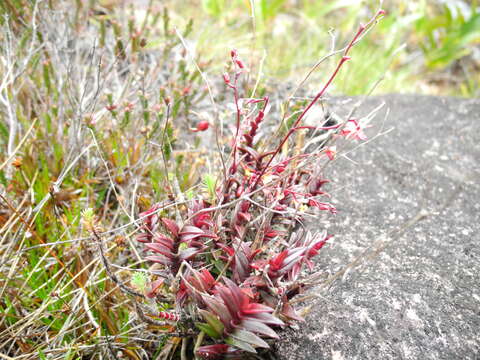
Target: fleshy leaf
(212, 320)
(190, 232)
(267, 319)
(187, 254)
(218, 308)
(159, 259)
(208, 329)
(213, 351)
(171, 226)
(241, 345)
(259, 328)
(250, 338)
(160, 249)
(255, 308)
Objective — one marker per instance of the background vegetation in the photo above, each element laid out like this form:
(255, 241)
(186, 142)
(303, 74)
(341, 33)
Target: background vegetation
(87, 89)
(424, 46)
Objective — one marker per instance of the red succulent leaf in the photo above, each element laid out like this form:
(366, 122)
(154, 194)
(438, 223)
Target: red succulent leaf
(267, 318)
(200, 217)
(202, 281)
(190, 232)
(245, 205)
(150, 223)
(295, 271)
(160, 249)
(322, 205)
(249, 292)
(316, 247)
(232, 298)
(249, 338)
(213, 351)
(154, 287)
(227, 249)
(203, 220)
(258, 327)
(163, 239)
(277, 262)
(294, 255)
(256, 308)
(144, 237)
(189, 253)
(161, 259)
(218, 307)
(246, 217)
(207, 278)
(241, 267)
(269, 233)
(171, 226)
(286, 262)
(240, 230)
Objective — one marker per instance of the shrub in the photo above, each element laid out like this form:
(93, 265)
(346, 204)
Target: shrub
(227, 264)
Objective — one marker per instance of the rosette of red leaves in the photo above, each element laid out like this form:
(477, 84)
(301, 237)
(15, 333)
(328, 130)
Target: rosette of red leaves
(179, 245)
(288, 263)
(232, 314)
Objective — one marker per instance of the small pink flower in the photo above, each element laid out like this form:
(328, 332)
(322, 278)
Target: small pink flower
(331, 152)
(128, 107)
(354, 130)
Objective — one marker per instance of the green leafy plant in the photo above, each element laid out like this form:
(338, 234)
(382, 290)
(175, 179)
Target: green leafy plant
(449, 33)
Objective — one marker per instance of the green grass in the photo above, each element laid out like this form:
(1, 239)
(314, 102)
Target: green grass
(420, 46)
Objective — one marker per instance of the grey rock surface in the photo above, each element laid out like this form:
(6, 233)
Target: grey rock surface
(417, 296)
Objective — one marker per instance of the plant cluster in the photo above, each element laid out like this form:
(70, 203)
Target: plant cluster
(228, 264)
(95, 102)
(87, 97)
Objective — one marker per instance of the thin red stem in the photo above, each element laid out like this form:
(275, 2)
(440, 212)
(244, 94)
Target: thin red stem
(345, 57)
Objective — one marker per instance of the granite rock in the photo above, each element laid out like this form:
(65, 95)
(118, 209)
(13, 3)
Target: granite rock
(416, 296)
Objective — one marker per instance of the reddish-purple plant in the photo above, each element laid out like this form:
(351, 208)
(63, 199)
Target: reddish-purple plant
(232, 264)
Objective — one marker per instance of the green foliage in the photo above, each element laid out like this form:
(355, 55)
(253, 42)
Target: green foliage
(139, 281)
(448, 35)
(445, 33)
(213, 7)
(210, 182)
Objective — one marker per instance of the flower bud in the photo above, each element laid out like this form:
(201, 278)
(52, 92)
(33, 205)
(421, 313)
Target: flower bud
(201, 126)
(226, 78)
(240, 64)
(186, 90)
